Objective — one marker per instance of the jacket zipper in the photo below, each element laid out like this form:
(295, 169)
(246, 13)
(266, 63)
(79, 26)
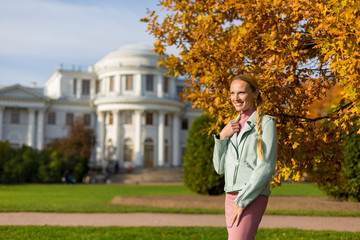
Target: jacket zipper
(238, 157)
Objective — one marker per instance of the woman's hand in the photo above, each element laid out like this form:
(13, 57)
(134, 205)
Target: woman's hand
(235, 215)
(230, 129)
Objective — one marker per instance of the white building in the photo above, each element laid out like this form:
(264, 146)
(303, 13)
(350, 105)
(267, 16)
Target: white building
(131, 104)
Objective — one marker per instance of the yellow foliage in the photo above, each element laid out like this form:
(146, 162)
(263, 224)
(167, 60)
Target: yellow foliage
(298, 51)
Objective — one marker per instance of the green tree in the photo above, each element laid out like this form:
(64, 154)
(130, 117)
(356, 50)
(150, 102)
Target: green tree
(6, 153)
(296, 49)
(20, 165)
(199, 173)
(30, 164)
(50, 166)
(348, 187)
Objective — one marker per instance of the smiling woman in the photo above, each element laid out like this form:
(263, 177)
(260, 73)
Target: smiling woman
(245, 151)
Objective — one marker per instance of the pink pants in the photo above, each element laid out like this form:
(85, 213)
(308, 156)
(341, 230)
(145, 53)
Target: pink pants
(249, 220)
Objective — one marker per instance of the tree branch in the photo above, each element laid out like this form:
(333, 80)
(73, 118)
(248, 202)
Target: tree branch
(348, 105)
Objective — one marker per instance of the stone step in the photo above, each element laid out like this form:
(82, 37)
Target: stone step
(154, 175)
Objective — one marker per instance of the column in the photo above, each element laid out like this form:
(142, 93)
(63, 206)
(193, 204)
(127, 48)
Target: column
(137, 138)
(78, 88)
(161, 138)
(116, 134)
(101, 137)
(176, 140)
(160, 87)
(1, 122)
(172, 88)
(121, 85)
(31, 127)
(138, 85)
(40, 130)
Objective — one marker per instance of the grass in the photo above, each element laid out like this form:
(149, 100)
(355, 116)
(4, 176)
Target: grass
(297, 189)
(77, 198)
(96, 198)
(180, 233)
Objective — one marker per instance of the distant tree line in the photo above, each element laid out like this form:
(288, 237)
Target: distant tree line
(68, 155)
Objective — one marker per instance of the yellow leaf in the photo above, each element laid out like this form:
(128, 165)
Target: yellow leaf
(295, 145)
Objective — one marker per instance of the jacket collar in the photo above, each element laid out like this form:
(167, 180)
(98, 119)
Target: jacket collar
(250, 124)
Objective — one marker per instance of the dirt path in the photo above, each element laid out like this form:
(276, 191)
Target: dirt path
(198, 201)
(163, 219)
(217, 202)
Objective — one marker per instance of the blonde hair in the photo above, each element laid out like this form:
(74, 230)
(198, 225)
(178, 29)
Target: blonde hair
(259, 110)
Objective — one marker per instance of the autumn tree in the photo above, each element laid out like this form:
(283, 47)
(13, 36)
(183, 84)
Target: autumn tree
(75, 149)
(297, 49)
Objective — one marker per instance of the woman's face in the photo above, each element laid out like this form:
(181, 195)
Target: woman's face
(242, 96)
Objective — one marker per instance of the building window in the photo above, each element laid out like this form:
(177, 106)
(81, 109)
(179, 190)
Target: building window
(149, 118)
(85, 87)
(111, 83)
(129, 82)
(167, 120)
(74, 86)
(179, 90)
(15, 117)
(166, 85)
(128, 150)
(128, 117)
(149, 79)
(184, 124)
(111, 119)
(87, 119)
(149, 153)
(97, 86)
(51, 118)
(166, 151)
(69, 118)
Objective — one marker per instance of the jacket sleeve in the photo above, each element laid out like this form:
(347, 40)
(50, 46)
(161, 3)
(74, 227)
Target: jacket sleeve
(264, 168)
(220, 149)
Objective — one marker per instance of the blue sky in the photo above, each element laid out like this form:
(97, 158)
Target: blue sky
(36, 36)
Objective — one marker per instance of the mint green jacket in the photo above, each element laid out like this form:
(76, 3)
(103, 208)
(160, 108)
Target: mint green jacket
(236, 157)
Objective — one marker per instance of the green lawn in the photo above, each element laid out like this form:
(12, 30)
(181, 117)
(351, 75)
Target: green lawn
(77, 198)
(180, 233)
(297, 189)
(96, 198)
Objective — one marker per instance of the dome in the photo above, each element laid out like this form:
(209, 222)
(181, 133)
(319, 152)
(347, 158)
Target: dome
(131, 55)
(133, 49)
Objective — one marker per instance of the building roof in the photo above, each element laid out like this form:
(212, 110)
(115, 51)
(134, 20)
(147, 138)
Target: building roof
(18, 92)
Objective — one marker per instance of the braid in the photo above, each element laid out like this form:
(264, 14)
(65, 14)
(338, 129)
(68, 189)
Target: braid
(260, 114)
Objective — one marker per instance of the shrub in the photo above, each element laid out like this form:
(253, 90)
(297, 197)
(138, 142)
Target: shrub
(348, 187)
(76, 166)
(199, 173)
(12, 172)
(20, 165)
(50, 169)
(67, 155)
(31, 164)
(6, 153)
